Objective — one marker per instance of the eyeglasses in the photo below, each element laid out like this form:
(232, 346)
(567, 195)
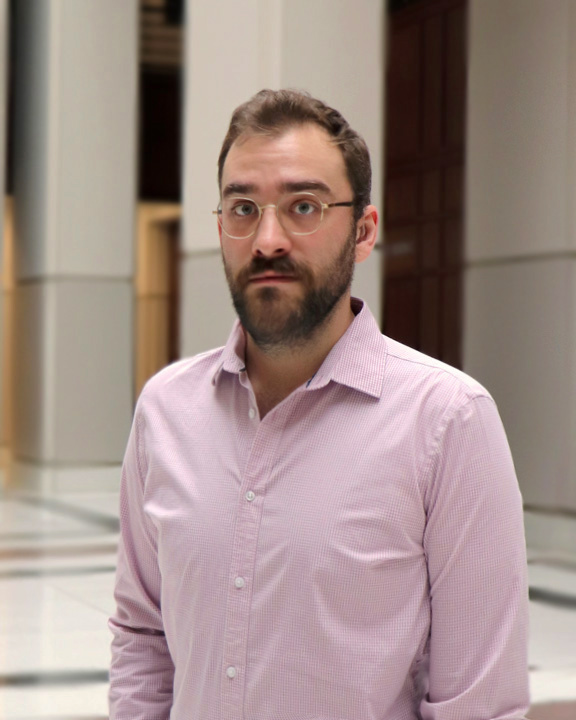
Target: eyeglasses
(298, 214)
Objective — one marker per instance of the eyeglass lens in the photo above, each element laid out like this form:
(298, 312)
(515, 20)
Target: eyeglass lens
(299, 214)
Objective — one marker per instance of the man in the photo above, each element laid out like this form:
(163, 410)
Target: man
(318, 523)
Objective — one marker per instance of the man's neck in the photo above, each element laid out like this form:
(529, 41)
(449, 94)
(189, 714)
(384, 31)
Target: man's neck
(276, 372)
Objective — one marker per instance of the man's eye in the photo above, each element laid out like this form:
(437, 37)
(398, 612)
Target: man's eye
(304, 207)
(243, 210)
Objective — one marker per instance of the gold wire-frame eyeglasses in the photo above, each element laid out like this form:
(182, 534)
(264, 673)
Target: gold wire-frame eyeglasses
(298, 213)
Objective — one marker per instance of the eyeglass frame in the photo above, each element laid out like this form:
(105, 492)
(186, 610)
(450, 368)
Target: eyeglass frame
(324, 206)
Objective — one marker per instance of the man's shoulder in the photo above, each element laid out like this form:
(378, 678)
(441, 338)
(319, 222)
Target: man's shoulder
(420, 371)
(186, 373)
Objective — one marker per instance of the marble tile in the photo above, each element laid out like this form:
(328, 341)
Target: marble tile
(53, 619)
(552, 638)
(95, 591)
(551, 534)
(55, 651)
(553, 578)
(553, 685)
(34, 606)
(106, 503)
(85, 702)
(18, 517)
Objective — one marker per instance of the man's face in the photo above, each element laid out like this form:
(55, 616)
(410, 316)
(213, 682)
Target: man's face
(284, 286)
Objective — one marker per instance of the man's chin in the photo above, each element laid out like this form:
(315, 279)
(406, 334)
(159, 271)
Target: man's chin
(269, 320)
(271, 304)
(265, 294)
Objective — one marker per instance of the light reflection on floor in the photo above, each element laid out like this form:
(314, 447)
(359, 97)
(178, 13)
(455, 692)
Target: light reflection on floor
(56, 578)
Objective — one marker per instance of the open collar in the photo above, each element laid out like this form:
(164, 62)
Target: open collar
(357, 360)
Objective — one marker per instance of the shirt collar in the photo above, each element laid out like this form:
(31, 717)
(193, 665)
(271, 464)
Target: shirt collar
(233, 353)
(357, 360)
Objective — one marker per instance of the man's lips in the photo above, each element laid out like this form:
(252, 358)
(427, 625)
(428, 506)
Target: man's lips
(271, 278)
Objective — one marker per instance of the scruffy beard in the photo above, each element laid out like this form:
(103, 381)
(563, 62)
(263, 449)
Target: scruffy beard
(276, 322)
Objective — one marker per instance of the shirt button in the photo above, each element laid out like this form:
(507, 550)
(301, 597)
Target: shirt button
(239, 582)
(250, 496)
(251, 413)
(231, 672)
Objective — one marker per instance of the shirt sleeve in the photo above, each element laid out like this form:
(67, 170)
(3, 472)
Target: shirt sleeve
(142, 671)
(475, 547)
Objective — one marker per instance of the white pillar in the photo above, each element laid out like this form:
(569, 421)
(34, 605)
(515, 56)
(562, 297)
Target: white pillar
(75, 164)
(520, 324)
(333, 50)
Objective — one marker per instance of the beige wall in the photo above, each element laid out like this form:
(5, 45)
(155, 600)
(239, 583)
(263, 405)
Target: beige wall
(521, 239)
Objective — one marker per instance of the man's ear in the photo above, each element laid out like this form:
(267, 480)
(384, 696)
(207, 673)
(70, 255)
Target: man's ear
(366, 233)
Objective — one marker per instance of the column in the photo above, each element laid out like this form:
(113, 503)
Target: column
(520, 328)
(75, 163)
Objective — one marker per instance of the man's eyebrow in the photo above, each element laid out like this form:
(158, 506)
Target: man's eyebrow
(290, 186)
(305, 185)
(238, 189)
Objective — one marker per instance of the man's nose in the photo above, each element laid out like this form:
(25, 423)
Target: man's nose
(270, 239)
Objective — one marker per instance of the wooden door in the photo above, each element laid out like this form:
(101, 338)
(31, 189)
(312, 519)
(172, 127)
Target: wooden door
(157, 289)
(426, 98)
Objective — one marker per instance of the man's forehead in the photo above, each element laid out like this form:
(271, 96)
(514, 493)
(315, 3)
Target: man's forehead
(307, 129)
(303, 157)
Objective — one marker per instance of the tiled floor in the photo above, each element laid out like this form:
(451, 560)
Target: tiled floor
(56, 577)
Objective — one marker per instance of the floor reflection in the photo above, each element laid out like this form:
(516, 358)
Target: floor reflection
(57, 562)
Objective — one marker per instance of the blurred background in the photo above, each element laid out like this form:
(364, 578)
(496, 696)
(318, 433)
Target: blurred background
(112, 113)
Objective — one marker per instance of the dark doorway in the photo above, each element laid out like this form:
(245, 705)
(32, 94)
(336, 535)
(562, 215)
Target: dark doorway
(157, 277)
(425, 155)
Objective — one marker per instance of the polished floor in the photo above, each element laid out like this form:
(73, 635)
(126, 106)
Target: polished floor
(56, 576)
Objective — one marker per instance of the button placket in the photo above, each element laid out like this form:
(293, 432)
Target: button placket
(239, 600)
(243, 560)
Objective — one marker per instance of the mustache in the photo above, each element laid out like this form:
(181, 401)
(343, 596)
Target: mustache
(282, 265)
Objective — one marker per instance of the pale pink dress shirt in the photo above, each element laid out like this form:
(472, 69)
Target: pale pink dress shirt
(357, 554)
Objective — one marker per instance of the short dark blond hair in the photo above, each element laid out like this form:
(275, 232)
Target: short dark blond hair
(275, 111)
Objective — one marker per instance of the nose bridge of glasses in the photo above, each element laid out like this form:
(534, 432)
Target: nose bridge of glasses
(277, 212)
